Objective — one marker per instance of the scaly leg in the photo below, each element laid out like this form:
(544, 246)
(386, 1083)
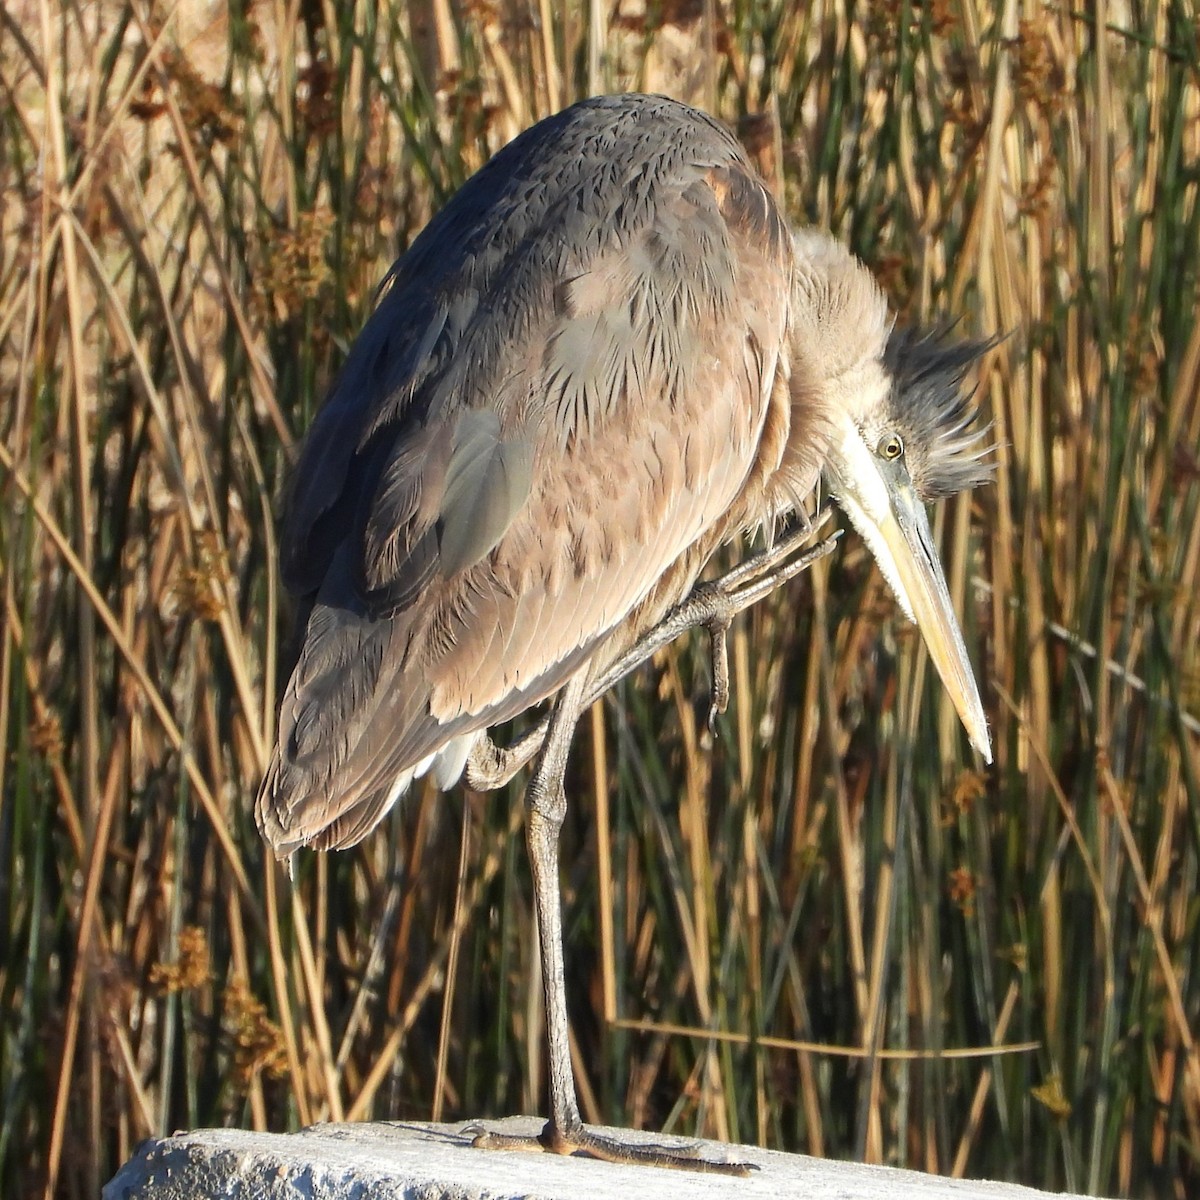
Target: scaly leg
(545, 808)
(712, 605)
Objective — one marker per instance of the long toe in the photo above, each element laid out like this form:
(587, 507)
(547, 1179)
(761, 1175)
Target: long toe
(611, 1149)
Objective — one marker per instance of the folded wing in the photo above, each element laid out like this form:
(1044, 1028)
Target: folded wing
(570, 383)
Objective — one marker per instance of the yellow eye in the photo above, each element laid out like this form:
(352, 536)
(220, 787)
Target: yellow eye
(890, 447)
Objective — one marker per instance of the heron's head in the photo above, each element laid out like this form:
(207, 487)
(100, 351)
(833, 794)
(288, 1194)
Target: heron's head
(899, 430)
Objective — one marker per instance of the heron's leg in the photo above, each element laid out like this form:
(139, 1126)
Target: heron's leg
(712, 605)
(715, 603)
(545, 808)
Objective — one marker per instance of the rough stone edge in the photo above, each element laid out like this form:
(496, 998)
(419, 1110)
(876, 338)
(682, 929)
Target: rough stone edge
(418, 1161)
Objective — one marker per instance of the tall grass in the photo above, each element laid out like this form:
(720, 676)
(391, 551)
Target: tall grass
(826, 930)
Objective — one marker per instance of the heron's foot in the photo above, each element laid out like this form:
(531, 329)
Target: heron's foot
(718, 647)
(490, 766)
(720, 600)
(715, 604)
(595, 1145)
(712, 605)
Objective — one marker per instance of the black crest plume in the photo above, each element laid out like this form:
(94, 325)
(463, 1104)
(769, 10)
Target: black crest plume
(946, 454)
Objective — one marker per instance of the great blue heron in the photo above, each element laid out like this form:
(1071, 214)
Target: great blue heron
(605, 357)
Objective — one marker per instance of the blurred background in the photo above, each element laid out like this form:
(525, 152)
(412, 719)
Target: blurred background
(826, 930)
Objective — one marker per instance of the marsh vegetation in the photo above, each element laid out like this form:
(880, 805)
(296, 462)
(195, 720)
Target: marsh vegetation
(828, 930)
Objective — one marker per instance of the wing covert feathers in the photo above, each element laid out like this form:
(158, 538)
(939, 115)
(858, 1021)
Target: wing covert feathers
(573, 389)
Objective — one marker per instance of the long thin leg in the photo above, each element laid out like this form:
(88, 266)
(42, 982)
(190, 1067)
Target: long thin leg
(712, 605)
(545, 808)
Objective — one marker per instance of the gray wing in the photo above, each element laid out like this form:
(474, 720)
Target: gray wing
(564, 388)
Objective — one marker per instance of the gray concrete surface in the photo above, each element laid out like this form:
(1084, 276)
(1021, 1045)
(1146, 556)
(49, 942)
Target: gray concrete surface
(390, 1160)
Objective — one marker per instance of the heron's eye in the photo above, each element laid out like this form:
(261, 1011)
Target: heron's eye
(890, 447)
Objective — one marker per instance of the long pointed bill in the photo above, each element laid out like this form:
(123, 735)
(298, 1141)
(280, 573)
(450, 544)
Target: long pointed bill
(901, 541)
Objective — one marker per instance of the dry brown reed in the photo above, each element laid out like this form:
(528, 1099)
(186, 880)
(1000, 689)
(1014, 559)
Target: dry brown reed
(827, 931)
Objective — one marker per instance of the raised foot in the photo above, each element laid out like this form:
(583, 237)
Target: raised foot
(711, 605)
(595, 1145)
